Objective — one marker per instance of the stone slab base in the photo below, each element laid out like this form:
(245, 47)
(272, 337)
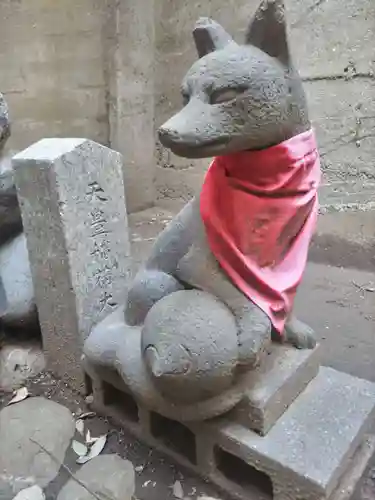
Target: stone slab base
(317, 449)
(272, 387)
(275, 384)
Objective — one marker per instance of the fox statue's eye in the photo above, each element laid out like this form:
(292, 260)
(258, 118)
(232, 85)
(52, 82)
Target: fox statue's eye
(224, 95)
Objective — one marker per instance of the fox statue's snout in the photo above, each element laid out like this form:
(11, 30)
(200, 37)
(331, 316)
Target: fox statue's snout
(238, 97)
(192, 132)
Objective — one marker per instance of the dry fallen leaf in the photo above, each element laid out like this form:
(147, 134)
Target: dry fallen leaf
(95, 450)
(79, 449)
(90, 439)
(178, 492)
(33, 493)
(364, 288)
(88, 414)
(80, 426)
(19, 395)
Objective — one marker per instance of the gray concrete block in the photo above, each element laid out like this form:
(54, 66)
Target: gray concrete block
(308, 449)
(72, 200)
(275, 385)
(318, 449)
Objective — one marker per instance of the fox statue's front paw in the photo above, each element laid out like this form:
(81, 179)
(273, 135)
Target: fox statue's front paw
(254, 335)
(299, 334)
(252, 343)
(149, 287)
(247, 356)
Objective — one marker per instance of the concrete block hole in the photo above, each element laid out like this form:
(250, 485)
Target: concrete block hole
(88, 385)
(241, 473)
(174, 435)
(124, 404)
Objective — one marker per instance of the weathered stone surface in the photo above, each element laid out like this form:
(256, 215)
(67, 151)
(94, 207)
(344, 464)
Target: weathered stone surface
(120, 347)
(309, 448)
(107, 475)
(130, 58)
(32, 493)
(68, 79)
(19, 362)
(282, 376)
(344, 127)
(71, 194)
(10, 215)
(329, 36)
(23, 463)
(15, 273)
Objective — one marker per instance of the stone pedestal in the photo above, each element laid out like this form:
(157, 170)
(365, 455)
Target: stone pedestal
(314, 424)
(72, 199)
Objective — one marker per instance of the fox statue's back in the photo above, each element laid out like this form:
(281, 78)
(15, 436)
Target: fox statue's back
(220, 281)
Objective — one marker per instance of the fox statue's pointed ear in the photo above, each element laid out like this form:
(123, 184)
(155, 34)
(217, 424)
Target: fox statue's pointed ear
(209, 36)
(268, 30)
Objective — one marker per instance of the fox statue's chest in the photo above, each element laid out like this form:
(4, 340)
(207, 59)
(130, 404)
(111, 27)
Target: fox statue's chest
(199, 267)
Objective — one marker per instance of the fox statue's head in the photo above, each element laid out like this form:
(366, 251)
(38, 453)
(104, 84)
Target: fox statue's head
(239, 97)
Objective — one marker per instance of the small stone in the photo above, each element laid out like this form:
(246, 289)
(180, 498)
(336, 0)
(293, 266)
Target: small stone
(203, 497)
(25, 429)
(18, 362)
(32, 493)
(108, 475)
(89, 399)
(178, 492)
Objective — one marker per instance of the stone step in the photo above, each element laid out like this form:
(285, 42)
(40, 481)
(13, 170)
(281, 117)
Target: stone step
(283, 375)
(318, 449)
(308, 449)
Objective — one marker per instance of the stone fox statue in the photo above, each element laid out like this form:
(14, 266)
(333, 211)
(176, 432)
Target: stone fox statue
(221, 278)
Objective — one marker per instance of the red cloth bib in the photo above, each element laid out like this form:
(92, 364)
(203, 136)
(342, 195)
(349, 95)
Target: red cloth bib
(259, 209)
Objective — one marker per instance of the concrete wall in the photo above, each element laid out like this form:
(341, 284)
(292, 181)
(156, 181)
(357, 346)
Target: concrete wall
(83, 68)
(51, 69)
(333, 45)
(110, 70)
(129, 42)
